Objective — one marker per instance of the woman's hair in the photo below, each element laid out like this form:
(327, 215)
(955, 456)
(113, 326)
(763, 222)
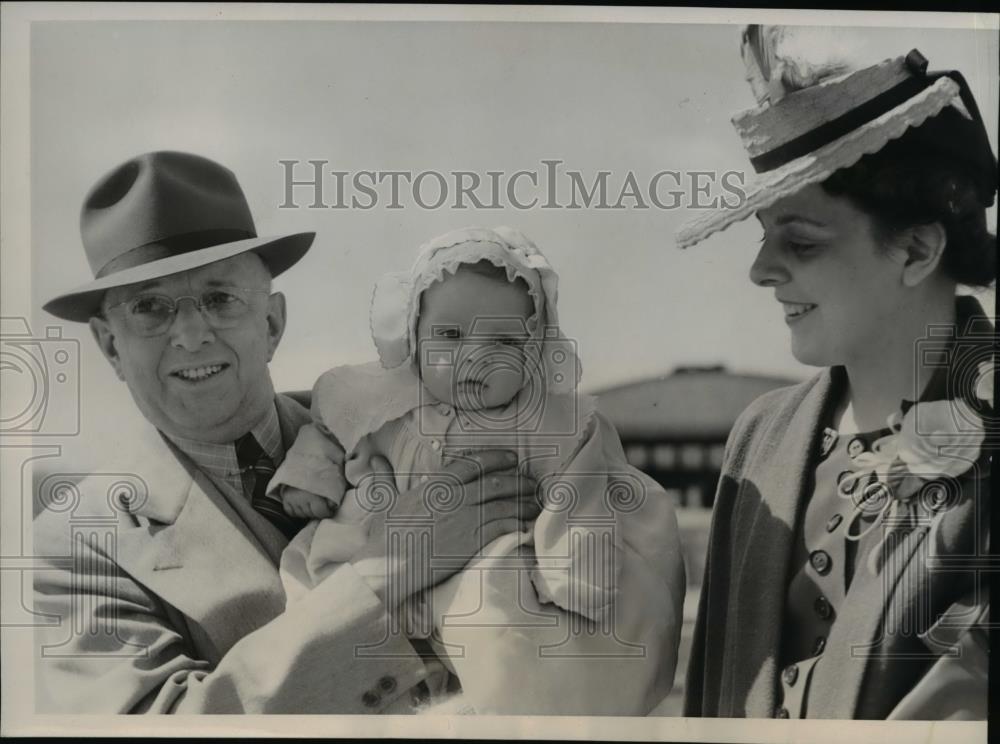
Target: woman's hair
(914, 181)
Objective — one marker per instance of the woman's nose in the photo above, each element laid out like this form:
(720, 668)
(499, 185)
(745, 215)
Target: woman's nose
(768, 269)
(190, 330)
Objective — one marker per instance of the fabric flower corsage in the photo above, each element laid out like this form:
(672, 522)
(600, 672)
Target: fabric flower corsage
(933, 440)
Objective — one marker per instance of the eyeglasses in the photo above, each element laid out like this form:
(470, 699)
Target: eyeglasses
(152, 314)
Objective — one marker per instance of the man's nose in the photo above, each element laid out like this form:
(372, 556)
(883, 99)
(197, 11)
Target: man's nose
(189, 329)
(768, 269)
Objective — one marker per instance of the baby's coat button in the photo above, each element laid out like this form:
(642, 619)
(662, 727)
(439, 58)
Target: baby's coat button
(371, 699)
(435, 444)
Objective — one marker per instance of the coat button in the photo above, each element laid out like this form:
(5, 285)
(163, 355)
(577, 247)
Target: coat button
(387, 684)
(819, 645)
(856, 446)
(371, 699)
(820, 561)
(790, 674)
(823, 608)
(834, 522)
(436, 444)
(781, 712)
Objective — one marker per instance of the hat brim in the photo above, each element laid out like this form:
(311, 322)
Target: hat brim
(817, 166)
(279, 253)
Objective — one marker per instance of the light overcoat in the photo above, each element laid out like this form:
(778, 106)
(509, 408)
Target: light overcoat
(166, 603)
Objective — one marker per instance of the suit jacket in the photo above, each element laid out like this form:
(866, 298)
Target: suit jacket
(159, 599)
(877, 650)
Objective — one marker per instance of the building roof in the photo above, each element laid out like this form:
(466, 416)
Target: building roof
(691, 402)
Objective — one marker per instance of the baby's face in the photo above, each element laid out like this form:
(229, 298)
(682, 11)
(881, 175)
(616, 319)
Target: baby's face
(471, 335)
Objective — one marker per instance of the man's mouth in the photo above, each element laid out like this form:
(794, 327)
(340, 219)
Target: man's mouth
(199, 374)
(794, 310)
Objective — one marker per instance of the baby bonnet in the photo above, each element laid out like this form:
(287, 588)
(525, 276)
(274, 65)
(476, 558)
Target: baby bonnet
(396, 298)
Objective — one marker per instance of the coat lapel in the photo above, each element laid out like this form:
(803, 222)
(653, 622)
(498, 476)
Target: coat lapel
(772, 491)
(193, 551)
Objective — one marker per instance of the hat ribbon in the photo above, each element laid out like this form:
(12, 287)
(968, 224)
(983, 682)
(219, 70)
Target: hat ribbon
(175, 245)
(848, 122)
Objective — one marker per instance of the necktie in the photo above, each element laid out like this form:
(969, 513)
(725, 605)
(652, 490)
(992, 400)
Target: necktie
(254, 461)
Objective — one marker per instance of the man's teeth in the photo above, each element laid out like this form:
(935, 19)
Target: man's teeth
(793, 309)
(199, 373)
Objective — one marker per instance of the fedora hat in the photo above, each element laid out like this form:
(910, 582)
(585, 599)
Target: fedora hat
(162, 213)
(816, 116)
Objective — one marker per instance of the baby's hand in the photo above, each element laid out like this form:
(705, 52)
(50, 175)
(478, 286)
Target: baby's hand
(299, 503)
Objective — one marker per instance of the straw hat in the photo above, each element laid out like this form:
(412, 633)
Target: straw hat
(162, 213)
(816, 116)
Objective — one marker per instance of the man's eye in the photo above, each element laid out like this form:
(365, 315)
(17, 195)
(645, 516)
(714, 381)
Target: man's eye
(149, 305)
(219, 298)
(446, 333)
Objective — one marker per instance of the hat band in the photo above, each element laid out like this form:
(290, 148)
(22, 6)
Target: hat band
(173, 246)
(838, 127)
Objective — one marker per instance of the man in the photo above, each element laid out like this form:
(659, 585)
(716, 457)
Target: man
(179, 607)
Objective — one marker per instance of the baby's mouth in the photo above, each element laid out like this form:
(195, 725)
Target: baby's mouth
(200, 373)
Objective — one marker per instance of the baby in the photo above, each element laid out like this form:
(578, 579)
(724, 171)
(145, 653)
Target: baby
(579, 614)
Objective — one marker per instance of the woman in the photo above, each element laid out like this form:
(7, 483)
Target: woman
(840, 580)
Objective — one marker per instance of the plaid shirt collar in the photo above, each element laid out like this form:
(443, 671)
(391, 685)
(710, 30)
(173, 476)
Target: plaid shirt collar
(218, 461)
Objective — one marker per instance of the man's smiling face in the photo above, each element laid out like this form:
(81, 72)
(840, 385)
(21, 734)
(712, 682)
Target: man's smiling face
(195, 380)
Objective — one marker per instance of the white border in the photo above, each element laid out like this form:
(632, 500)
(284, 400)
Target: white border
(15, 299)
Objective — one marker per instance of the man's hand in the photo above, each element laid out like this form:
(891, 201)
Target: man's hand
(472, 502)
(305, 505)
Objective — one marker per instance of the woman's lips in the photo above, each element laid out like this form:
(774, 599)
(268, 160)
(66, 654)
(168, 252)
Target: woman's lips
(796, 310)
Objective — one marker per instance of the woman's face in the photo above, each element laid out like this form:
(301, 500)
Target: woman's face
(839, 289)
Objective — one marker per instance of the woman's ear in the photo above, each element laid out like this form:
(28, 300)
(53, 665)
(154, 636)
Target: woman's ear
(105, 337)
(923, 246)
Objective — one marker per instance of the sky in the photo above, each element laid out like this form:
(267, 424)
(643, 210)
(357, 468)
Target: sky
(441, 96)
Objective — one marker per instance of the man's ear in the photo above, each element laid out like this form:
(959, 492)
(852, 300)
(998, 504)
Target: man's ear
(923, 246)
(275, 322)
(105, 337)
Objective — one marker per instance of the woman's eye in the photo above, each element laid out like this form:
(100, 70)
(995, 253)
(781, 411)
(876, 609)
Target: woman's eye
(799, 247)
